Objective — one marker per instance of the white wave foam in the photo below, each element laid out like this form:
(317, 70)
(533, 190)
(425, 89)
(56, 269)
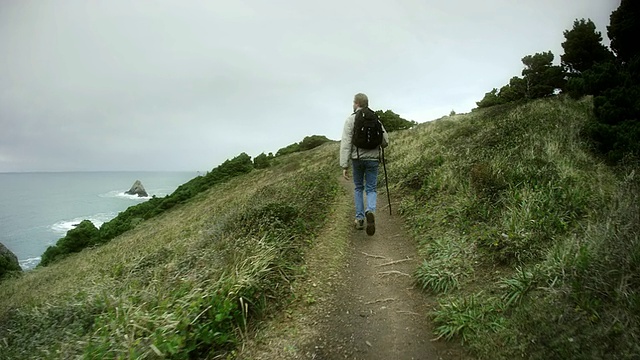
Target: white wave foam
(121, 194)
(61, 227)
(29, 263)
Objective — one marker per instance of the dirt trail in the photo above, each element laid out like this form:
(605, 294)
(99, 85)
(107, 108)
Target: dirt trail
(359, 300)
(377, 312)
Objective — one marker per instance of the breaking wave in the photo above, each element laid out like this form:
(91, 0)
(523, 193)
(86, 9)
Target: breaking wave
(121, 194)
(61, 227)
(29, 263)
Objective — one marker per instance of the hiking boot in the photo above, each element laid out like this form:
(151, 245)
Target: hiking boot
(371, 223)
(359, 224)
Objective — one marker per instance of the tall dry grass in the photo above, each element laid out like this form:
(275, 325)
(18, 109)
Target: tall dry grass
(190, 283)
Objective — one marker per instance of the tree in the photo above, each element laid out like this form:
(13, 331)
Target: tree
(583, 47)
(261, 161)
(514, 91)
(392, 121)
(624, 25)
(616, 87)
(490, 99)
(595, 81)
(541, 77)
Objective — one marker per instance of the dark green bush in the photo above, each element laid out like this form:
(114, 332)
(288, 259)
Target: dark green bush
(8, 263)
(617, 127)
(262, 161)
(313, 141)
(289, 149)
(393, 122)
(82, 236)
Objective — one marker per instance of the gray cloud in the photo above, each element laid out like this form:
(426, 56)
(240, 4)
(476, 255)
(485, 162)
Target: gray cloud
(184, 85)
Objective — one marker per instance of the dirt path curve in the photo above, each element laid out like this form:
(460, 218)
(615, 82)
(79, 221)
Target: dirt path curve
(377, 311)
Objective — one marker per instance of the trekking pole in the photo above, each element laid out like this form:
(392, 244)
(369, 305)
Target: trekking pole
(386, 180)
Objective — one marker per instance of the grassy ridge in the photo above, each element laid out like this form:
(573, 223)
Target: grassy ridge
(530, 243)
(189, 283)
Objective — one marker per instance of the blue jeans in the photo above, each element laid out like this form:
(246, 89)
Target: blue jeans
(365, 177)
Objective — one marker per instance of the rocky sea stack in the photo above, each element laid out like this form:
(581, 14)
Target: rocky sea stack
(137, 189)
(8, 261)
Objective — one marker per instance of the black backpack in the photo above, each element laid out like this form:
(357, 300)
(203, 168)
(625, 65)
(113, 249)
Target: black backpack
(367, 129)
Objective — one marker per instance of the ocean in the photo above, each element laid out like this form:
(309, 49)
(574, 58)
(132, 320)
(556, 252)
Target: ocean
(36, 209)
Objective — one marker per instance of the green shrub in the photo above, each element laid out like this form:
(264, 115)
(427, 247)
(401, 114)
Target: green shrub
(393, 122)
(310, 142)
(467, 318)
(437, 277)
(262, 161)
(517, 287)
(289, 149)
(617, 128)
(8, 263)
(85, 234)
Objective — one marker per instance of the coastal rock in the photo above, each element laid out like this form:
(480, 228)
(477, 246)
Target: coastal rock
(137, 189)
(8, 261)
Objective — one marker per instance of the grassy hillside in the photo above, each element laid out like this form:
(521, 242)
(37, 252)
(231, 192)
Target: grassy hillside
(186, 284)
(529, 243)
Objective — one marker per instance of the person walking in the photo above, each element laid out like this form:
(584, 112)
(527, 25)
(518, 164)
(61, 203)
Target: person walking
(363, 137)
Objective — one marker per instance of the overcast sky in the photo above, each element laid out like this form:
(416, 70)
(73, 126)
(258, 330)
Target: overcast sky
(185, 85)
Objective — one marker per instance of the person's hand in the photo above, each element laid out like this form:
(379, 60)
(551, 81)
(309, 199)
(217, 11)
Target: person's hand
(345, 174)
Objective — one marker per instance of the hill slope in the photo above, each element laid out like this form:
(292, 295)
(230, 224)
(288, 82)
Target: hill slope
(530, 242)
(527, 242)
(187, 283)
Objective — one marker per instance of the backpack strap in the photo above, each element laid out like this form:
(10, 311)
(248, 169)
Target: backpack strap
(353, 134)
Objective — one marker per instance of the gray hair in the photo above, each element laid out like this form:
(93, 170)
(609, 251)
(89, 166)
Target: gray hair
(361, 100)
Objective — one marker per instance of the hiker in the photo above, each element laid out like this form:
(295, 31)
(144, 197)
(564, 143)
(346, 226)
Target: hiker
(362, 139)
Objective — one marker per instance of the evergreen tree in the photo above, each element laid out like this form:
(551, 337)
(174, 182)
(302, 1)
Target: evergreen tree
(624, 25)
(583, 47)
(490, 99)
(541, 77)
(514, 91)
(392, 121)
(617, 87)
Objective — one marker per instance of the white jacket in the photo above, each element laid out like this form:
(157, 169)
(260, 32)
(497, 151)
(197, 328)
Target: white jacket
(348, 151)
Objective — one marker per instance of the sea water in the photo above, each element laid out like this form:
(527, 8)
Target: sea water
(37, 209)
